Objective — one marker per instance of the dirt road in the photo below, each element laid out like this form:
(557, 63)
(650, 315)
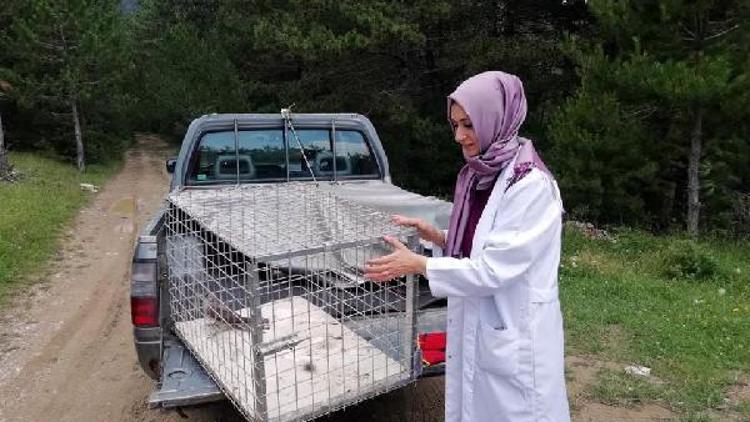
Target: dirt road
(66, 350)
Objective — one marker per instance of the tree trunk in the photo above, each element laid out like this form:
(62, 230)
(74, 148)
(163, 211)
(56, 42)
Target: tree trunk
(80, 161)
(694, 185)
(4, 167)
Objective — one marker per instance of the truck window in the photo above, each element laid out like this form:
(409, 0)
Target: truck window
(353, 155)
(262, 156)
(265, 149)
(317, 145)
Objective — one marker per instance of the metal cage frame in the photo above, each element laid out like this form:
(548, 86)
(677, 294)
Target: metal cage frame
(266, 289)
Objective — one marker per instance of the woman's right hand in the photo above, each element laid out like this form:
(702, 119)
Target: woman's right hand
(426, 231)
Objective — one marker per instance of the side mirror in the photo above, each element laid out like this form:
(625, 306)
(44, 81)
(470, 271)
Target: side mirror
(171, 163)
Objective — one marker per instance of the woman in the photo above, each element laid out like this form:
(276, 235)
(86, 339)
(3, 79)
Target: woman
(499, 270)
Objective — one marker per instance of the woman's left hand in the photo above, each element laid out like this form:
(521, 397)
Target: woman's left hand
(400, 262)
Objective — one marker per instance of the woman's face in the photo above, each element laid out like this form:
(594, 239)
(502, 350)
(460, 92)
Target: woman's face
(463, 131)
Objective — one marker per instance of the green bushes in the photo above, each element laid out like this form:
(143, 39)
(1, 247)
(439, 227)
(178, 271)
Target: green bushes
(685, 259)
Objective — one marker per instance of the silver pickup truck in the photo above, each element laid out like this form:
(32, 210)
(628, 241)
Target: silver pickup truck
(221, 149)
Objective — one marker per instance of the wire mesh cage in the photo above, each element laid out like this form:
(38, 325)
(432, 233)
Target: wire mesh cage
(266, 289)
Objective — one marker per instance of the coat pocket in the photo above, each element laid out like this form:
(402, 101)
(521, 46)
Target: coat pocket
(498, 350)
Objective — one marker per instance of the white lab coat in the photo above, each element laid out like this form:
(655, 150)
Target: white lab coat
(505, 333)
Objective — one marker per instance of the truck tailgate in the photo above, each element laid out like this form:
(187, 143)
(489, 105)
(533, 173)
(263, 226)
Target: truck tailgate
(183, 380)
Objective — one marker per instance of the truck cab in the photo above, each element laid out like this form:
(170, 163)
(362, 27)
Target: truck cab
(231, 149)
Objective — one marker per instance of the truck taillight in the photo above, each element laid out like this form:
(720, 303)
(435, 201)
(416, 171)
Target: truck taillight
(144, 298)
(144, 311)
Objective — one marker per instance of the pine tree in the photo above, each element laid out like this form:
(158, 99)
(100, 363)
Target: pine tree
(64, 54)
(5, 88)
(4, 164)
(670, 65)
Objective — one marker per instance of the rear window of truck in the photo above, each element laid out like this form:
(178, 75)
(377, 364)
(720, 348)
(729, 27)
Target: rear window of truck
(263, 155)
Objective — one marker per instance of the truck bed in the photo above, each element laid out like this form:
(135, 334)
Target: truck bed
(184, 381)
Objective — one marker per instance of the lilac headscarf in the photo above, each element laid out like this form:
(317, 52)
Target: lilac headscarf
(496, 105)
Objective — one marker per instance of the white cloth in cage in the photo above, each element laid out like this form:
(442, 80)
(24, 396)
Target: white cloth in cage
(327, 363)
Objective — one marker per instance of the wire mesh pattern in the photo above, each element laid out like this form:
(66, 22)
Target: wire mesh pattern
(266, 288)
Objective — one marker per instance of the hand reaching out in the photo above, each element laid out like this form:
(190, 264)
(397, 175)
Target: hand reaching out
(426, 231)
(402, 261)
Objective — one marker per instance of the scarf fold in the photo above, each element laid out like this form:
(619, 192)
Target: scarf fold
(496, 105)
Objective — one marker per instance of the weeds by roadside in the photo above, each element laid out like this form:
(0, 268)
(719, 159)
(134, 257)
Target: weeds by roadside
(35, 210)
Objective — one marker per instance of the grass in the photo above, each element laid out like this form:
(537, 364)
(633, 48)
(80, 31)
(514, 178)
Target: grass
(618, 388)
(744, 408)
(657, 301)
(35, 211)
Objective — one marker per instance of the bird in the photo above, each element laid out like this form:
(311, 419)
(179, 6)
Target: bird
(218, 311)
